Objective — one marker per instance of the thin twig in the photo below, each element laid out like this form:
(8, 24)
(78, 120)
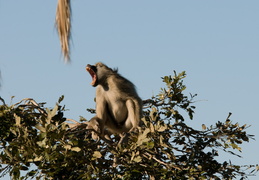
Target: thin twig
(1, 99)
(72, 120)
(31, 102)
(160, 161)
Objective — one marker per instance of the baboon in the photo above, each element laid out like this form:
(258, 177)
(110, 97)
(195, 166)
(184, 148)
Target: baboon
(118, 106)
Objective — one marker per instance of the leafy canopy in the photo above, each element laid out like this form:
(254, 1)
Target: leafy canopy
(42, 143)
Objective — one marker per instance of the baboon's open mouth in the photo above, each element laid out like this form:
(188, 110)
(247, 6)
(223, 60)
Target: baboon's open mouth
(92, 72)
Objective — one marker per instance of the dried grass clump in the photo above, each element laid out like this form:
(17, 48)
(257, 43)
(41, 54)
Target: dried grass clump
(63, 25)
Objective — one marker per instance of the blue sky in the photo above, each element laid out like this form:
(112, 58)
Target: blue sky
(215, 42)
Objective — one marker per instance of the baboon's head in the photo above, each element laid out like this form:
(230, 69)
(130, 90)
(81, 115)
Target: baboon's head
(99, 73)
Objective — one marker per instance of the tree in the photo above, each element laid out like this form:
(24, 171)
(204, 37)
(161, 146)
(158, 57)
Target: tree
(46, 145)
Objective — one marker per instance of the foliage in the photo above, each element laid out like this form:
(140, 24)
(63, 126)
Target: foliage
(40, 142)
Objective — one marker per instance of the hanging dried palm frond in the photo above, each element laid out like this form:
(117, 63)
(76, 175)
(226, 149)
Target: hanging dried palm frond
(63, 25)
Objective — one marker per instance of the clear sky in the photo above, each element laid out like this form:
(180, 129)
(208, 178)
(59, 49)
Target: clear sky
(215, 42)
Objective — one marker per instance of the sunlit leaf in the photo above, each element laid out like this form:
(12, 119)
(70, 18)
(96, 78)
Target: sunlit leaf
(67, 146)
(39, 127)
(77, 149)
(137, 159)
(17, 120)
(42, 143)
(96, 155)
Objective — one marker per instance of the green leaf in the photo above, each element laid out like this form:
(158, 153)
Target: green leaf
(32, 173)
(42, 135)
(61, 99)
(150, 145)
(24, 168)
(8, 153)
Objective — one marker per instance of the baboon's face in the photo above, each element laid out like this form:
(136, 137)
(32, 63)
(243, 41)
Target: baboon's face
(98, 72)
